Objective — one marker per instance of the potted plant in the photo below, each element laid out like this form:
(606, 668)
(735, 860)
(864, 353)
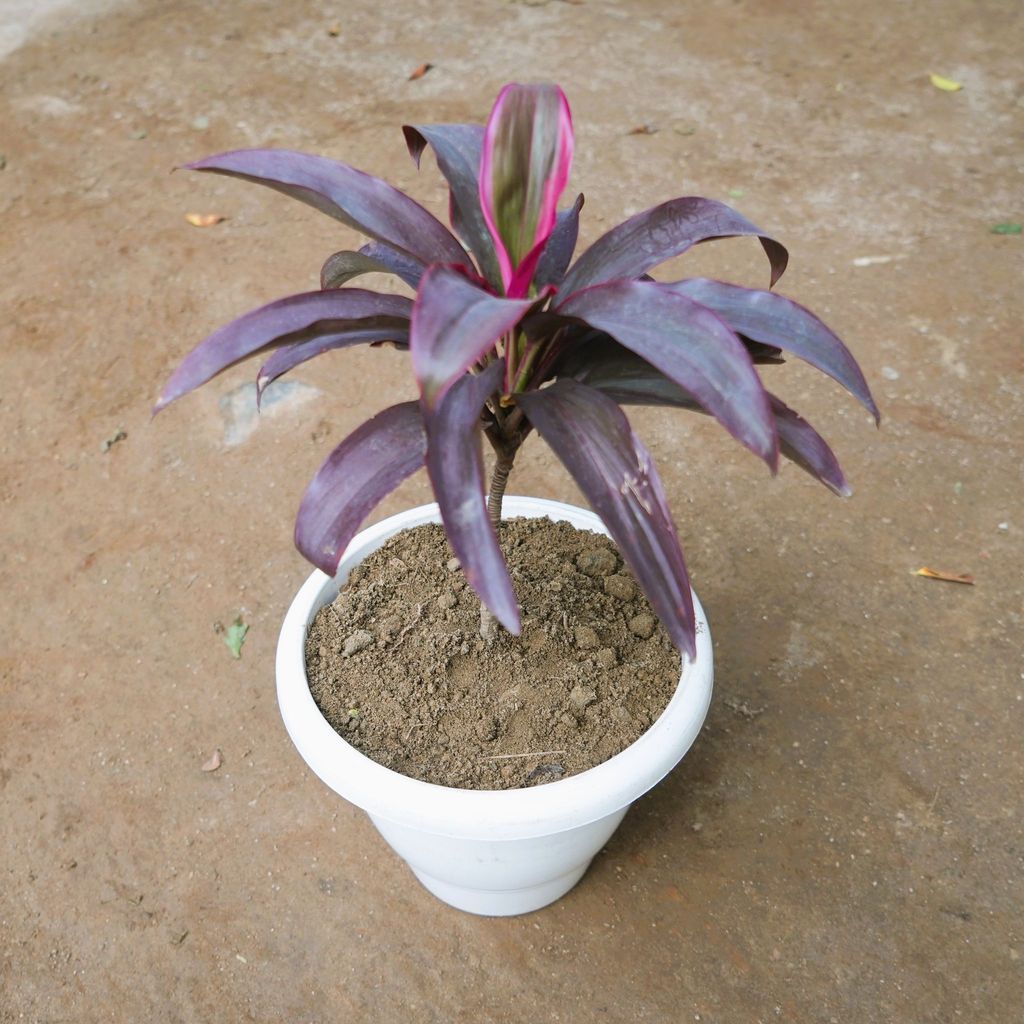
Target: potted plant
(507, 335)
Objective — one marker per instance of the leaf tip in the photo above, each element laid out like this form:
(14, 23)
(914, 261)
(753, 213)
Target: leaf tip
(778, 257)
(510, 619)
(414, 142)
(168, 395)
(685, 639)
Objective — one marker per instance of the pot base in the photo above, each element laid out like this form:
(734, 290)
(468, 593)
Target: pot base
(506, 903)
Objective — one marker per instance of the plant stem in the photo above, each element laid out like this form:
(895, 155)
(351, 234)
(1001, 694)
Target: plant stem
(502, 468)
(526, 366)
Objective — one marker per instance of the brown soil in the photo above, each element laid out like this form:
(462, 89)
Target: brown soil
(399, 667)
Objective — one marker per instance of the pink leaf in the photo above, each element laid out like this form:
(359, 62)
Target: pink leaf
(524, 168)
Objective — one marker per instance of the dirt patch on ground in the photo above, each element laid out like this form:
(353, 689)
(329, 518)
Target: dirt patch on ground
(399, 666)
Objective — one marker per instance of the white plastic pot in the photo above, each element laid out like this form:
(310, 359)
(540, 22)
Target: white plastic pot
(488, 852)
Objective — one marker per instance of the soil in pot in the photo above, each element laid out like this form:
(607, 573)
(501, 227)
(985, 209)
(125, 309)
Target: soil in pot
(400, 668)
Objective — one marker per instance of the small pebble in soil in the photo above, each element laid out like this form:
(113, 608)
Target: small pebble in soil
(586, 638)
(596, 562)
(544, 773)
(642, 625)
(582, 698)
(356, 642)
(620, 587)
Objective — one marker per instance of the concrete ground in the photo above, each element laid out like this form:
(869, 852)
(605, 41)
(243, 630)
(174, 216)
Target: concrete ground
(844, 842)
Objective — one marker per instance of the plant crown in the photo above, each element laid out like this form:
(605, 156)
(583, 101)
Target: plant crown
(507, 334)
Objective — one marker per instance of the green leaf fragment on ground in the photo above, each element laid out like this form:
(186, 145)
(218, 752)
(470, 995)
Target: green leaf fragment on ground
(234, 636)
(1009, 228)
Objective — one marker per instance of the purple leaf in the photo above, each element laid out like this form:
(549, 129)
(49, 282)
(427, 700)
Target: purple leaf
(775, 320)
(359, 200)
(558, 250)
(292, 319)
(691, 346)
(592, 436)
(524, 167)
(656, 235)
(373, 258)
(287, 358)
(629, 380)
(458, 148)
(599, 361)
(456, 467)
(802, 444)
(454, 323)
(366, 467)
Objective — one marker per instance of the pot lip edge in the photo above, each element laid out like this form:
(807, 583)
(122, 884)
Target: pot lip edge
(519, 813)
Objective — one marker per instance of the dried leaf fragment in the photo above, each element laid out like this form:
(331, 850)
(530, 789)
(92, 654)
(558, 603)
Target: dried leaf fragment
(420, 72)
(214, 761)
(945, 84)
(644, 129)
(204, 220)
(949, 577)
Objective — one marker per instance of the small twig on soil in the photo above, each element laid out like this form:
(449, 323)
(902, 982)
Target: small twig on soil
(408, 626)
(532, 753)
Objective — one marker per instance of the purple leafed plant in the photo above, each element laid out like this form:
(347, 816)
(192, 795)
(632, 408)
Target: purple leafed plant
(507, 334)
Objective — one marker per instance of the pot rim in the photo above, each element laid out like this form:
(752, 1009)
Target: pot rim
(469, 813)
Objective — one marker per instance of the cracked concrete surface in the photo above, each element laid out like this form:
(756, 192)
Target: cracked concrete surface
(843, 843)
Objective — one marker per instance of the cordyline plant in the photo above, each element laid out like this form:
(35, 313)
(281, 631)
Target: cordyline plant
(506, 334)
